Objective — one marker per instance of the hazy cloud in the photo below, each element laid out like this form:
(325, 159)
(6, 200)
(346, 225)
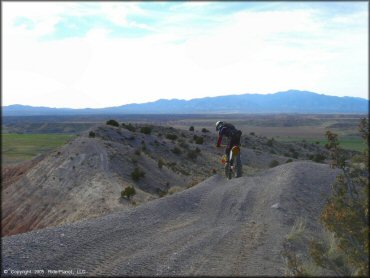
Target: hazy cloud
(97, 54)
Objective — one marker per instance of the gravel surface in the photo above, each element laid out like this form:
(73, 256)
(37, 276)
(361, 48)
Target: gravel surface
(219, 227)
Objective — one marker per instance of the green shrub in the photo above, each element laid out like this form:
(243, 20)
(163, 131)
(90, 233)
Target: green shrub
(129, 127)
(273, 163)
(162, 193)
(176, 150)
(197, 150)
(345, 216)
(191, 128)
(270, 142)
(160, 163)
(112, 123)
(146, 130)
(128, 192)
(198, 139)
(137, 174)
(192, 154)
(252, 133)
(318, 157)
(143, 146)
(294, 152)
(171, 136)
(92, 134)
(183, 144)
(205, 130)
(289, 160)
(137, 152)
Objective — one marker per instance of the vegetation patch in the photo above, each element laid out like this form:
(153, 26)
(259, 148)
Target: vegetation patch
(171, 136)
(193, 154)
(297, 229)
(146, 130)
(129, 127)
(344, 217)
(92, 134)
(270, 142)
(318, 157)
(176, 150)
(128, 192)
(198, 139)
(273, 163)
(175, 189)
(162, 193)
(137, 174)
(21, 147)
(183, 144)
(112, 123)
(160, 163)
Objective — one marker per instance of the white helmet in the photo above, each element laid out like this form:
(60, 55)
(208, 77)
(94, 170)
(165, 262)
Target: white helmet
(218, 125)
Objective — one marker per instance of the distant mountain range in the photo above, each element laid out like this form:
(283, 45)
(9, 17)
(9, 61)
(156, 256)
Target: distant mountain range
(292, 101)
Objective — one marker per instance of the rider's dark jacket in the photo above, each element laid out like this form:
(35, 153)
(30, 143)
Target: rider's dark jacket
(231, 133)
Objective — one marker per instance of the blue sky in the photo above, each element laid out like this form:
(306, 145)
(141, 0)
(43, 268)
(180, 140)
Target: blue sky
(98, 54)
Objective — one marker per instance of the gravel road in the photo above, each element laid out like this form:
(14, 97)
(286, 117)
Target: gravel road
(218, 227)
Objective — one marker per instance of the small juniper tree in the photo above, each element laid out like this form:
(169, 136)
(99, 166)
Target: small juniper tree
(128, 192)
(137, 174)
(112, 123)
(129, 127)
(160, 163)
(273, 163)
(171, 136)
(146, 130)
(198, 139)
(346, 213)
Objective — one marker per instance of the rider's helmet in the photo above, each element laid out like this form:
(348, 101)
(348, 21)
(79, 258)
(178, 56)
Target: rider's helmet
(218, 125)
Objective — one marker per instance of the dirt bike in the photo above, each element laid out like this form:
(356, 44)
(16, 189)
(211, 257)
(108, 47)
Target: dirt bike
(233, 165)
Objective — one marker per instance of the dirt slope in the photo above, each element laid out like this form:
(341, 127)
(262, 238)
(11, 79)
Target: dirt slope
(84, 178)
(218, 227)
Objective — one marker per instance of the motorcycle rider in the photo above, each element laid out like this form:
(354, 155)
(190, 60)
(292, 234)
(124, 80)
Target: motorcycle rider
(228, 130)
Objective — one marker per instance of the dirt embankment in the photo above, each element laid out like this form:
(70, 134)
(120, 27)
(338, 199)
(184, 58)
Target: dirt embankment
(84, 178)
(11, 174)
(218, 227)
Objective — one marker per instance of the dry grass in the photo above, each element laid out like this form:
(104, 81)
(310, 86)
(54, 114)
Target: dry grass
(297, 230)
(175, 189)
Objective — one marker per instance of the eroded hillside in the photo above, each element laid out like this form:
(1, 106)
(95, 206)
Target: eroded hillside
(84, 178)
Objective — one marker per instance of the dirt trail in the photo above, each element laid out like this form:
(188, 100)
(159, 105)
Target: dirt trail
(218, 227)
